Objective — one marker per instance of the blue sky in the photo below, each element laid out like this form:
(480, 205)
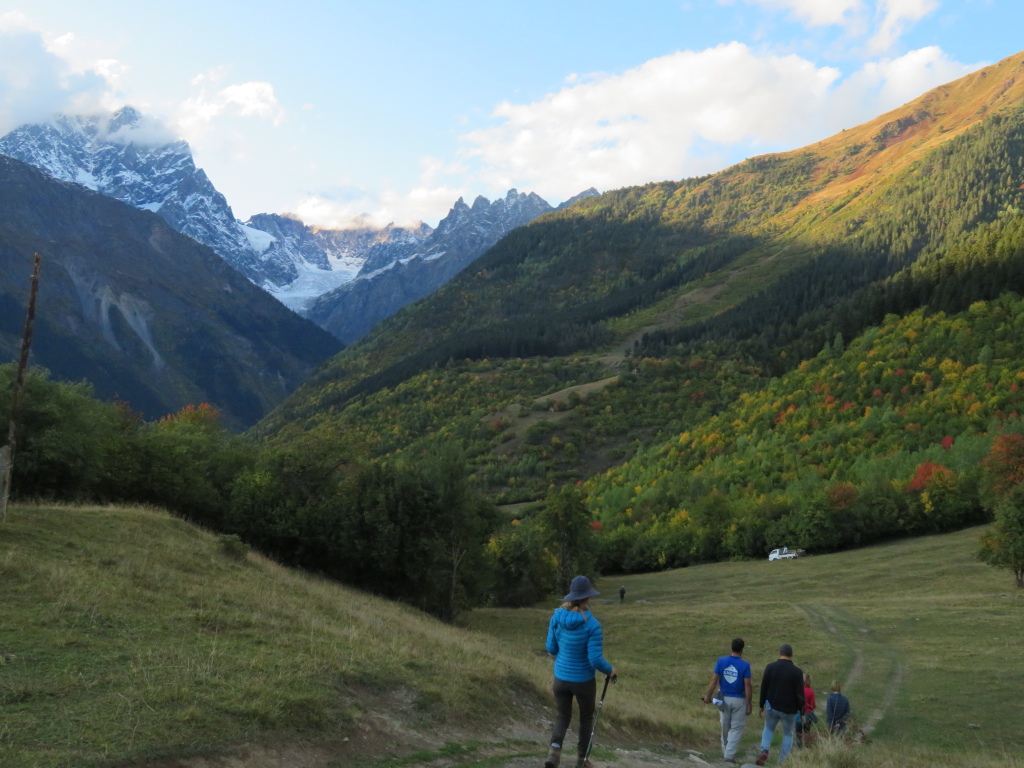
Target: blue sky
(395, 109)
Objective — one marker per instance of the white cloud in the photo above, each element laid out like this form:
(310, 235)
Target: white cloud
(147, 131)
(350, 207)
(251, 99)
(37, 81)
(881, 86)
(896, 17)
(254, 99)
(885, 21)
(421, 203)
(649, 123)
(688, 114)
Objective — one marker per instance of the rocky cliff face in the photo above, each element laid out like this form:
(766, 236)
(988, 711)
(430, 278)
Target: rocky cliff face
(144, 313)
(389, 281)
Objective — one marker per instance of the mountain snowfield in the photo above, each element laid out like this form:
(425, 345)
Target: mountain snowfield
(316, 260)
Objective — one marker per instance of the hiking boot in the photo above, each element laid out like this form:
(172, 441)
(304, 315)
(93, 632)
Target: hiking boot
(554, 755)
(762, 758)
(582, 762)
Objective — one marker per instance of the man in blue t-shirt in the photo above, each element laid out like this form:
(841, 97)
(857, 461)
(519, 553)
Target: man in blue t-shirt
(732, 675)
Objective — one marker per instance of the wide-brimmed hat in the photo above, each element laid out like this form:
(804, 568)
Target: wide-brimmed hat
(580, 589)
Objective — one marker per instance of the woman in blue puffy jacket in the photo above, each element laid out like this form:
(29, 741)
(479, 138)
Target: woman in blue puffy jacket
(576, 642)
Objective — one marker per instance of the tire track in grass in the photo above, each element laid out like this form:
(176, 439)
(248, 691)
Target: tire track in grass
(888, 701)
(875, 664)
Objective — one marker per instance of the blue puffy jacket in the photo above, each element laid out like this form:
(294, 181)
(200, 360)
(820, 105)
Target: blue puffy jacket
(576, 641)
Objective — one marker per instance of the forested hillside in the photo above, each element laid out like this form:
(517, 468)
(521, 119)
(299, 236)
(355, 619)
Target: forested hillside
(883, 439)
(817, 349)
(602, 333)
(759, 251)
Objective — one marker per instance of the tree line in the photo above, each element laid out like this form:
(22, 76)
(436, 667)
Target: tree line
(414, 530)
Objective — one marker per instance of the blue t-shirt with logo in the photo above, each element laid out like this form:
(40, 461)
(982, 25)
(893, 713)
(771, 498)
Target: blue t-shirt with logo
(732, 671)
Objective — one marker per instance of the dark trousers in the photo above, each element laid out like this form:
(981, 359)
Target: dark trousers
(586, 696)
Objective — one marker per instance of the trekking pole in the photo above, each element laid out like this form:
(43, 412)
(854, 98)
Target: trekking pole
(597, 715)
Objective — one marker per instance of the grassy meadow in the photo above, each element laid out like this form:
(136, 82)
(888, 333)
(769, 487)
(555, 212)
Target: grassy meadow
(920, 633)
(128, 635)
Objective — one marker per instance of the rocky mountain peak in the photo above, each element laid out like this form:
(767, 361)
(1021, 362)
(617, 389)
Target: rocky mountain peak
(137, 161)
(383, 287)
(133, 158)
(125, 116)
(591, 192)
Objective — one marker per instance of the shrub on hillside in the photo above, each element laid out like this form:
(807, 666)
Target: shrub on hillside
(64, 438)
(523, 569)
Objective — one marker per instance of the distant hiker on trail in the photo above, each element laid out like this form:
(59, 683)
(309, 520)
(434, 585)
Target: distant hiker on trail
(622, 594)
(732, 673)
(837, 709)
(782, 695)
(576, 641)
(807, 717)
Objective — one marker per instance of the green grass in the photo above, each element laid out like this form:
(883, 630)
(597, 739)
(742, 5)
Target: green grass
(921, 634)
(128, 635)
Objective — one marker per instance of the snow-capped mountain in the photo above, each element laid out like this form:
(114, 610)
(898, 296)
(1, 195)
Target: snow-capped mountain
(306, 262)
(389, 281)
(132, 158)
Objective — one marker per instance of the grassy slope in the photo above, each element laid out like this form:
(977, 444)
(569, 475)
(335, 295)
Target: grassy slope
(128, 634)
(921, 634)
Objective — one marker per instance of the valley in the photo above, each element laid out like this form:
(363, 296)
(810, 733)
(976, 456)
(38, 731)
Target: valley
(247, 536)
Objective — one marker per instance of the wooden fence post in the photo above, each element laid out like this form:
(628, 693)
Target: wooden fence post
(7, 451)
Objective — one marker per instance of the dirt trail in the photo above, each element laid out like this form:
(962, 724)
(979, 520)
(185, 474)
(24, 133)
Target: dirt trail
(523, 747)
(874, 663)
(614, 358)
(391, 730)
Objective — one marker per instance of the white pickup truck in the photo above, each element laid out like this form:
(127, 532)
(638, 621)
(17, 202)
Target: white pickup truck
(785, 553)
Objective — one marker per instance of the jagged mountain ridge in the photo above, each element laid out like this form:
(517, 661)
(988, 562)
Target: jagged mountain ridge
(385, 283)
(142, 312)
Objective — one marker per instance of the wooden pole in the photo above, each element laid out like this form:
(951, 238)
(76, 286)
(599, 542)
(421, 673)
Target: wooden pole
(7, 451)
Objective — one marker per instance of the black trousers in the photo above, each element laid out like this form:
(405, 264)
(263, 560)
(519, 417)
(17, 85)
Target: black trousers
(586, 696)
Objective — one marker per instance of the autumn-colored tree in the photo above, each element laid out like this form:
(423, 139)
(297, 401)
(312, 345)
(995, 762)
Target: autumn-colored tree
(924, 475)
(1003, 468)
